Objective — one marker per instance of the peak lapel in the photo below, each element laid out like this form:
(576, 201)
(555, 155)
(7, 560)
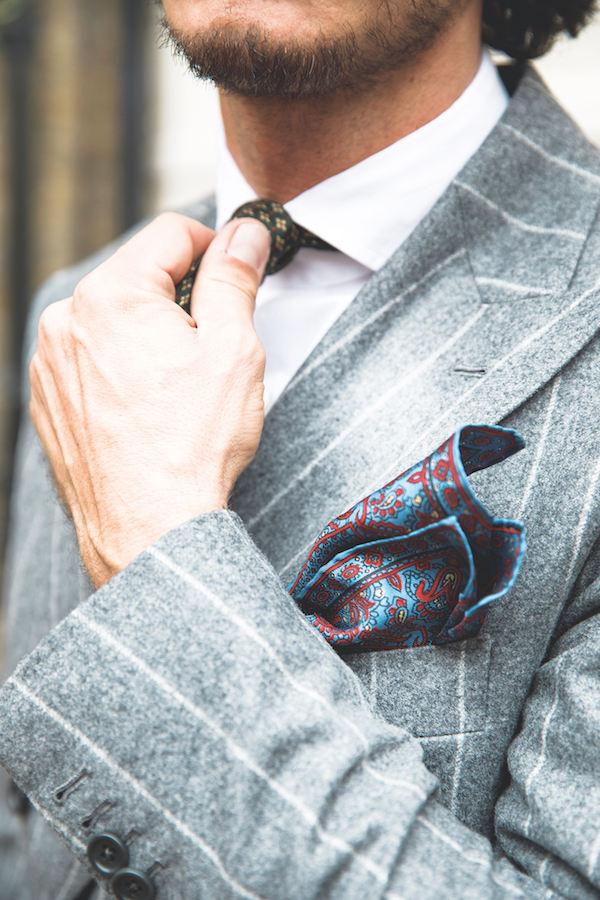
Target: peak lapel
(482, 305)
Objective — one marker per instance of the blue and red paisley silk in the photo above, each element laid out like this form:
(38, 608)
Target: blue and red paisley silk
(418, 561)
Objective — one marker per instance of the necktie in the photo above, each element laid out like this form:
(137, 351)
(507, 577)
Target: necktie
(286, 239)
(419, 560)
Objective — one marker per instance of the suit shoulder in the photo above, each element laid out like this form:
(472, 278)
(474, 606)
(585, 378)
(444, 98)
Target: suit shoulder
(536, 119)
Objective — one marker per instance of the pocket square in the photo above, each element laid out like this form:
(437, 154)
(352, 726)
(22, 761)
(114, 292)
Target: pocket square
(418, 561)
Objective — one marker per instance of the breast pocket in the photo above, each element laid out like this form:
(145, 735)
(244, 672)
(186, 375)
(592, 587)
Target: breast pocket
(430, 691)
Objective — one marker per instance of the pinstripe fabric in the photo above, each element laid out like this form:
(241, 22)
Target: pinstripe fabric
(248, 759)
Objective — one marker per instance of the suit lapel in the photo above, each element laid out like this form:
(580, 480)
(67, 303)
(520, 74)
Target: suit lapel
(482, 305)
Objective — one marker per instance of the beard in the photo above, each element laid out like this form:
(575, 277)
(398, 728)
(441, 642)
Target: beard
(250, 61)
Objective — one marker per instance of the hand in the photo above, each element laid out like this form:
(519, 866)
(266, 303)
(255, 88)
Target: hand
(149, 416)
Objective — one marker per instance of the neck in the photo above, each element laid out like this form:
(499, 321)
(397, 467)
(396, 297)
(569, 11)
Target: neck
(283, 147)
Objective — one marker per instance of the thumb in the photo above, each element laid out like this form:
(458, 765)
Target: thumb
(231, 272)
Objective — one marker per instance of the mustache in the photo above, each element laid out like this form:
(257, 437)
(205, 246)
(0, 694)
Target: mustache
(250, 61)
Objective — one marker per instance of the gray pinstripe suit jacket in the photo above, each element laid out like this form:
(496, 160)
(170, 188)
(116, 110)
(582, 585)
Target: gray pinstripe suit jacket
(192, 709)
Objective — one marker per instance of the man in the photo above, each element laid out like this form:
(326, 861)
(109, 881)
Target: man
(182, 727)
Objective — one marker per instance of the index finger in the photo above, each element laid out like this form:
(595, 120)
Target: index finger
(169, 244)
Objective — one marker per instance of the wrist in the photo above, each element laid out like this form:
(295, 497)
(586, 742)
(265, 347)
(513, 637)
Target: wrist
(105, 554)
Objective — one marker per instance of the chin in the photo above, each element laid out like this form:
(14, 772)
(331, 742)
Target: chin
(285, 20)
(284, 50)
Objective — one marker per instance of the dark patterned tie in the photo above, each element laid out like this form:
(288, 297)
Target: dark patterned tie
(286, 240)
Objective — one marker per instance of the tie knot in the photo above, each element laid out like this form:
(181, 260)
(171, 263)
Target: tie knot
(286, 236)
(286, 239)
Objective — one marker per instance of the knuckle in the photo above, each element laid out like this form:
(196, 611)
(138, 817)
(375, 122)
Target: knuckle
(173, 220)
(44, 330)
(89, 288)
(246, 348)
(50, 322)
(258, 356)
(169, 222)
(167, 219)
(101, 288)
(235, 275)
(34, 366)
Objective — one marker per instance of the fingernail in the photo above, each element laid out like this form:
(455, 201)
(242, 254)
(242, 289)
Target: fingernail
(251, 242)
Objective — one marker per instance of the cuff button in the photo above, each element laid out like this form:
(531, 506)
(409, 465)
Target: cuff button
(131, 885)
(107, 854)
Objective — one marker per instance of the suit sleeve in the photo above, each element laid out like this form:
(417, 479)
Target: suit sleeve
(189, 707)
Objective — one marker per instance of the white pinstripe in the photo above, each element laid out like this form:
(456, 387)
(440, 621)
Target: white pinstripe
(533, 338)
(549, 893)
(483, 861)
(309, 629)
(380, 875)
(594, 856)
(540, 448)
(460, 737)
(542, 754)
(301, 554)
(137, 785)
(562, 163)
(72, 875)
(542, 869)
(247, 629)
(519, 223)
(365, 323)
(524, 290)
(585, 512)
(371, 411)
(310, 817)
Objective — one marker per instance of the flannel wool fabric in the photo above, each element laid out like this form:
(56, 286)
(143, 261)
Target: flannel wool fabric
(190, 708)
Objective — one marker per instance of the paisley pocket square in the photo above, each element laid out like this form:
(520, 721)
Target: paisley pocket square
(418, 561)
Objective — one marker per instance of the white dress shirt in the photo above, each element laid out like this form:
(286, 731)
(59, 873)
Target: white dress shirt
(365, 212)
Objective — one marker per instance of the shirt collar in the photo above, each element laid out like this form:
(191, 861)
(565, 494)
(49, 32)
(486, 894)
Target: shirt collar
(368, 210)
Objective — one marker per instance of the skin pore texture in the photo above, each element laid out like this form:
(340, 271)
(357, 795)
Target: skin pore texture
(309, 88)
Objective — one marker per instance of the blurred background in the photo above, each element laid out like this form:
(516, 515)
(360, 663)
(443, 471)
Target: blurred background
(100, 126)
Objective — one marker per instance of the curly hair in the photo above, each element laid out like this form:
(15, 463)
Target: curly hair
(525, 29)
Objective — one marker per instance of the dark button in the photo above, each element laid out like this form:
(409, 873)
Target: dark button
(107, 854)
(16, 800)
(131, 885)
